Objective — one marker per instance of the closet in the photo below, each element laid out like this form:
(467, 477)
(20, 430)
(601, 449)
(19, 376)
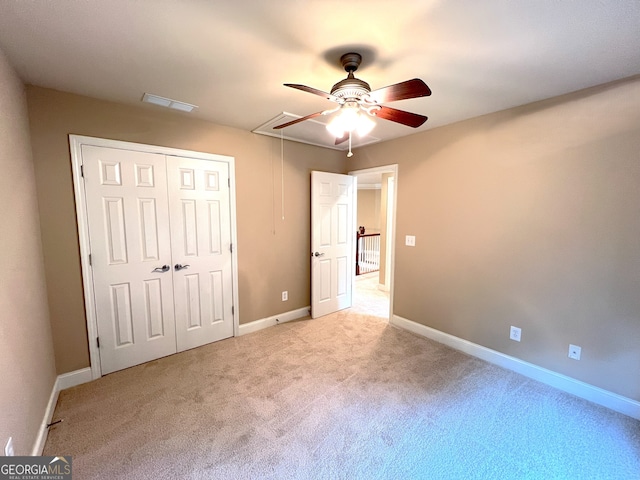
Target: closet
(159, 234)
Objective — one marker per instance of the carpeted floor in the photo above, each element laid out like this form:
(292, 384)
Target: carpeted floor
(368, 299)
(345, 396)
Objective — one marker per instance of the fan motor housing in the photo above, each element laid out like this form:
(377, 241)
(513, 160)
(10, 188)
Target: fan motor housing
(350, 87)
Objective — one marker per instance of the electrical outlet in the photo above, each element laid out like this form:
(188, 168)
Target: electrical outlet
(285, 296)
(515, 334)
(410, 240)
(8, 449)
(574, 352)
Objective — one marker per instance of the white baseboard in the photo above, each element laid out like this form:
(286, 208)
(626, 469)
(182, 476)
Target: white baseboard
(580, 389)
(38, 446)
(273, 320)
(71, 379)
(64, 381)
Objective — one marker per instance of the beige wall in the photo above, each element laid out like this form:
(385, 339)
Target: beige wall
(273, 254)
(369, 209)
(528, 217)
(26, 355)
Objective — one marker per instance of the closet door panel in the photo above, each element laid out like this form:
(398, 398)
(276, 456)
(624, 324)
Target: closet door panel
(201, 239)
(128, 218)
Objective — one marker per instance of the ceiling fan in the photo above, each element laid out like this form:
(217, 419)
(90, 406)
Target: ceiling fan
(357, 103)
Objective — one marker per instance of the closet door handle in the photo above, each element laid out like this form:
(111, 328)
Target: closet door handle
(162, 269)
(179, 266)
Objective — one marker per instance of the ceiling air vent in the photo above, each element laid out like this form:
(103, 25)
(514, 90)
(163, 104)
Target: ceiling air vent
(167, 102)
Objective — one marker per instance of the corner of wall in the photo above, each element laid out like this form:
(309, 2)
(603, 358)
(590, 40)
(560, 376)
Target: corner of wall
(27, 363)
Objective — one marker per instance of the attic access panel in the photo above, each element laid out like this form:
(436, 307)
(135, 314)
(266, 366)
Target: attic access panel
(312, 132)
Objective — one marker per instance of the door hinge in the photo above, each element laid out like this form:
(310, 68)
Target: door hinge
(82, 171)
(98, 341)
(233, 310)
(231, 247)
(229, 182)
(90, 262)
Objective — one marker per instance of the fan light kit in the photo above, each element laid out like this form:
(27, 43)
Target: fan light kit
(350, 119)
(357, 103)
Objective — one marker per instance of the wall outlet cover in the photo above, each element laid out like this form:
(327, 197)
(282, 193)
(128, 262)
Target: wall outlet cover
(575, 351)
(515, 333)
(410, 240)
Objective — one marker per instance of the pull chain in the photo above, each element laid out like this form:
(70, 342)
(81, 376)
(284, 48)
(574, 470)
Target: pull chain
(282, 170)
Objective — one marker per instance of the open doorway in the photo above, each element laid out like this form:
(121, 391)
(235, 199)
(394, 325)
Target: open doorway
(373, 272)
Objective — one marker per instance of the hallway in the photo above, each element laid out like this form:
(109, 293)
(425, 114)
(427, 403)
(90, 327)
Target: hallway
(368, 299)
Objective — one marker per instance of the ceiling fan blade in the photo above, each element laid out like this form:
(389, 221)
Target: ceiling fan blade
(400, 116)
(401, 91)
(315, 91)
(297, 120)
(342, 139)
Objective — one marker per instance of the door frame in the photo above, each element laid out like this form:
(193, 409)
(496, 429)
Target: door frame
(75, 144)
(391, 242)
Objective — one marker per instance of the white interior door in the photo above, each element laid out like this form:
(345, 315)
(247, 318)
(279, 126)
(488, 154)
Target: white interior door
(332, 247)
(201, 246)
(128, 218)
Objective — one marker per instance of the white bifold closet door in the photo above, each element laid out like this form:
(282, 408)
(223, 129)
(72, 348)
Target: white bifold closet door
(160, 235)
(200, 238)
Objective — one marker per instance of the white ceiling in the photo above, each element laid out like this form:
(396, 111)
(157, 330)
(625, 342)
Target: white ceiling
(231, 57)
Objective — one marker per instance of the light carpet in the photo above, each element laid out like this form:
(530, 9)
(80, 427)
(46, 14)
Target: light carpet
(345, 396)
(368, 299)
